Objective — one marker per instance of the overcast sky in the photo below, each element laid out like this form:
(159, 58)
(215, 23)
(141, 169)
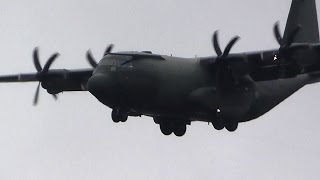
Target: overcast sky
(75, 138)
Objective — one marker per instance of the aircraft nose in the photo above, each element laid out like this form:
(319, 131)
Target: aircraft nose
(100, 85)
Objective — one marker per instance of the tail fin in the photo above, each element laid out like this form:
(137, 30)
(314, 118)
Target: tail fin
(303, 13)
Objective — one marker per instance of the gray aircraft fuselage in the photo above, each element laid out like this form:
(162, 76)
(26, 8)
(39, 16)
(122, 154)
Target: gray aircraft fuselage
(182, 88)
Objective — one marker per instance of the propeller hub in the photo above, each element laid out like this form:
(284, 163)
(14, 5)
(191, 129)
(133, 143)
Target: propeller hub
(42, 71)
(223, 74)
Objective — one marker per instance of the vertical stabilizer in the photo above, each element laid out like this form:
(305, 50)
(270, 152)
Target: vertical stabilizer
(303, 13)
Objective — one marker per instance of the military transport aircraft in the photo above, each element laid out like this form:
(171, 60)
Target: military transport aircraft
(224, 90)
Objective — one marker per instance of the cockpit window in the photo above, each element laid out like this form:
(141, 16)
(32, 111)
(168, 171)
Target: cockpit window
(117, 61)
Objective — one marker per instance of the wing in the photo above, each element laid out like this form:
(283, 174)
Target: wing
(298, 60)
(269, 65)
(55, 81)
(299, 51)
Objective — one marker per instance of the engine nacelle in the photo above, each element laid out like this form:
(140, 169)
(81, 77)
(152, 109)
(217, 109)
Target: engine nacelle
(229, 71)
(238, 67)
(63, 82)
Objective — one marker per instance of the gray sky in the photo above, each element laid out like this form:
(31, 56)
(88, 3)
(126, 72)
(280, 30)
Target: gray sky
(75, 138)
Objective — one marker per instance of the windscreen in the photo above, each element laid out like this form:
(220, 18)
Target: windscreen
(117, 61)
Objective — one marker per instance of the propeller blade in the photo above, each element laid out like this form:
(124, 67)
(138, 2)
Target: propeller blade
(91, 60)
(293, 35)
(36, 96)
(36, 61)
(277, 34)
(215, 42)
(55, 97)
(230, 45)
(49, 62)
(109, 49)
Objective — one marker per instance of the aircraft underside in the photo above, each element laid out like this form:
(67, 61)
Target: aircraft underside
(173, 116)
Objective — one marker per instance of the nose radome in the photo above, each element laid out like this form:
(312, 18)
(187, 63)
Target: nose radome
(104, 88)
(99, 83)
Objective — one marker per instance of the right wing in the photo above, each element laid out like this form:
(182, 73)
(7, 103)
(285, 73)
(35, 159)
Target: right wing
(54, 81)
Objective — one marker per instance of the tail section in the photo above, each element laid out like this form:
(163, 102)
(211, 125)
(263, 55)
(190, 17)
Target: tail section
(303, 13)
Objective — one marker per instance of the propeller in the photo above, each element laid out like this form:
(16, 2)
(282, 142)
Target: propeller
(92, 61)
(216, 45)
(285, 43)
(223, 74)
(41, 72)
(286, 47)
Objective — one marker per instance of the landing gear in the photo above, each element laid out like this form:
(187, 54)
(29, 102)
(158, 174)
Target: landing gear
(218, 124)
(119, 115)
(178, 128)
(231, 125)
(166, 128)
